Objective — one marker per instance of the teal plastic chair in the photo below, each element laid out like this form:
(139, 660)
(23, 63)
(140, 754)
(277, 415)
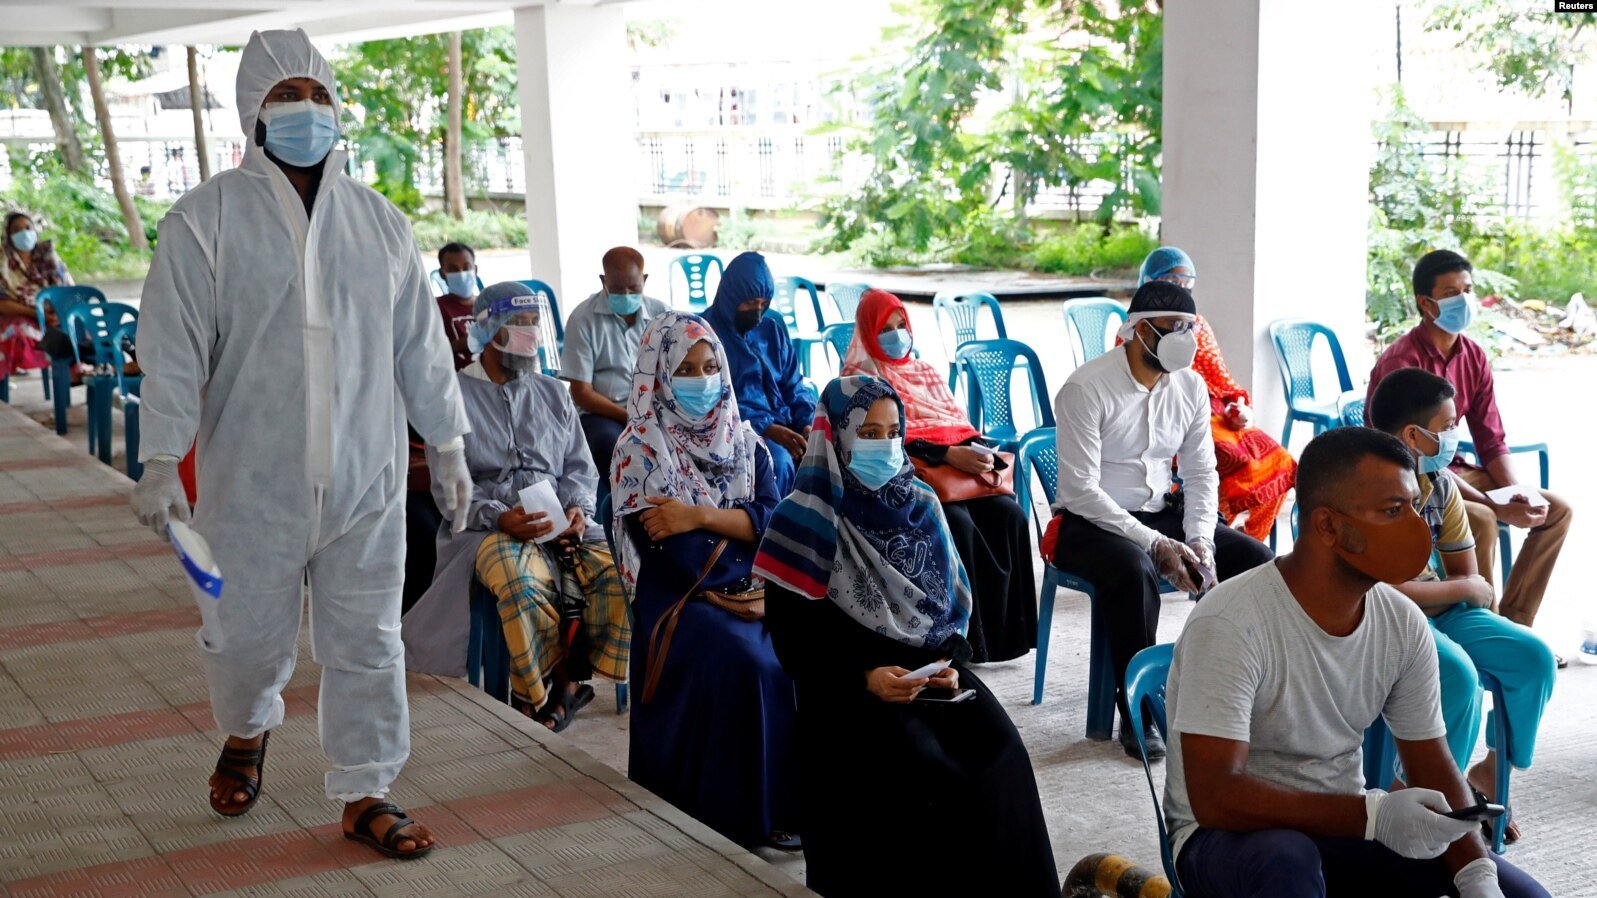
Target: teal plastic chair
(1294, 340)
(846, 297)
(958, 315)
(1351, 413)
(129, 386)
(58, 381)
(98, 324)
(785, 303)
(987, 368)
(1505, 538)
(837, 337)
(441, 286)
(548, 293)
(695, 269)
(1093, 321)
(1146, 677)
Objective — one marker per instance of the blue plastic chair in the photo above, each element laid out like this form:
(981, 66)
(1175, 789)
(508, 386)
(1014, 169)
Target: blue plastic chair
(1352, 412)
(1038, 455)
(1090, 319)
(695, 268)
(129, 386)
(1505, 538)
(988, 368)
(488, 655)
(846, 297)
(1145, 683)
(58, 386)
(548, 292)
(98, 323)
(441, 286)
(785, 303)
(958, 315)
(1294, 354)
(602, 511)
(837, 337)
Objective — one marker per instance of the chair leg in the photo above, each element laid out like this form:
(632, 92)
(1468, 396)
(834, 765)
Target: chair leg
(44, 378)
(1045, 622)
(474, 642)
(1286, 432)
(621, 698)
(102, 425)
(1100, 680)
(1505, 767)
(130, 434)
(1505, 549)
(61, 374)
(5, 389)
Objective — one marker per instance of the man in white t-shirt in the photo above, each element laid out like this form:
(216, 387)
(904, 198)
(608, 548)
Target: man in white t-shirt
(1276, 677)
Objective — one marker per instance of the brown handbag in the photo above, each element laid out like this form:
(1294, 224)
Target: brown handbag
(953, 485)
(749, 606)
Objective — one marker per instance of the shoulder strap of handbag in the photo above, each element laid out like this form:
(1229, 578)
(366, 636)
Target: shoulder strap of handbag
(660, 642)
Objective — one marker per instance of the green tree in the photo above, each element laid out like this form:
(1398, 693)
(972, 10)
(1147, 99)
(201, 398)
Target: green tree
(1063, 74)
(1523, 44)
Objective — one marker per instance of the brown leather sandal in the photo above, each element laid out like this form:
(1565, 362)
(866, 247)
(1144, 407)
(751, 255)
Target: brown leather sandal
(386, 846)
(230, 765)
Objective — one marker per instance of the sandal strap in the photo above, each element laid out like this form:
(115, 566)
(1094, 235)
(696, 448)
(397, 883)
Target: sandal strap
(247, 783)
(393, 837)
(364, 821)
(242, 757)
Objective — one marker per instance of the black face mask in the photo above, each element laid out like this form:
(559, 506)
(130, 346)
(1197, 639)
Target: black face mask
(747, 321)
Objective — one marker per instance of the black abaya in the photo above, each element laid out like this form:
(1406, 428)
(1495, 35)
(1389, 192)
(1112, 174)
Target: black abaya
(993, 542)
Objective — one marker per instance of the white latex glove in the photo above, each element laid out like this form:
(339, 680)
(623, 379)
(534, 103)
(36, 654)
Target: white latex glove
(1170, 557)
(1478, 879)
(1408, 822)
(455, 479)
(1204, 549)
(159, 497)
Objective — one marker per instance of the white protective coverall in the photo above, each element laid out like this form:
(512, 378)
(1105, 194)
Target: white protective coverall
(294, 347)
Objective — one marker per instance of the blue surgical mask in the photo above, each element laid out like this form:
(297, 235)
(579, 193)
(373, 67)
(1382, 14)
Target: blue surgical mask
(301, 133)
(1446, 449)
(875, 462)
(895, 343)
(461, 283)
(25, 240)
(697, 396)
(625, 303)
(1455, 313)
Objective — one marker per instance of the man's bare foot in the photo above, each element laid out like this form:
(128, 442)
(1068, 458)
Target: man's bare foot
(226, 792)
(1483, 779)
(414, 838)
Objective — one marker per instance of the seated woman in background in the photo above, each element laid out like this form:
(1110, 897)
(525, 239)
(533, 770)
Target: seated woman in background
(902, 795)
(29, 266)
(712, 710)
(762, 363)
(989, 532)
(1256, 473)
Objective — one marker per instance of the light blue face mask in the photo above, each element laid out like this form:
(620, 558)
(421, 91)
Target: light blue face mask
(301, 133)
(461, 283)
(1455, 313)
(697, 396)
(875, 462)
(896, 343)
(625, 303)
(25, 240)
(1446, 449)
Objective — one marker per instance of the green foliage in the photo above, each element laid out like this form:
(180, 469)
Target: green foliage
(1548, 264)
(1525, 46)
(1087, 249)
(83, 221)
(739, 232)
(480, 230)
(942, 179)
(399, 87)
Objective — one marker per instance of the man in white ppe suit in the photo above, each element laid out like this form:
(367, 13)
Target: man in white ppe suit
(287, 323)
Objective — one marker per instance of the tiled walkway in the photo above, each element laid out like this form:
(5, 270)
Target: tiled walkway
(105, 745)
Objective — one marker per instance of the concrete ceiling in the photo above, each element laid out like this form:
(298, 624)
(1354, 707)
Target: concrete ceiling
(106, 22)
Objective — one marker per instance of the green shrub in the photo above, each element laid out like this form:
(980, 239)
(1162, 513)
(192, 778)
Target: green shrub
(1549, 264)
(81, 220)
(480, 230)
(1087, 249)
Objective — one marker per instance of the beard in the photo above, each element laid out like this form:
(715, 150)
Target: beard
(518, 364)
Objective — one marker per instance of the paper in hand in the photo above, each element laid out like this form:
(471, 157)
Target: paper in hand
(926, 671)
(1505, 494)
(541, 497)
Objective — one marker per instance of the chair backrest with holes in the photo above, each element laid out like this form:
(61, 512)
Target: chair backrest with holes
(787, 298)
(1090, 320)
(1037, 457)
(837, 337)
(988, 367)
(695, 268)
(1294, 351)
(958, 315)
(846, 297)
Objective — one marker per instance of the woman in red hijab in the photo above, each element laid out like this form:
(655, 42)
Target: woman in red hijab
(989, 533)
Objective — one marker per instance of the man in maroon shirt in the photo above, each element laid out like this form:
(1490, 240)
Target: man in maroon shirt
(1443, 291)
(457, 268)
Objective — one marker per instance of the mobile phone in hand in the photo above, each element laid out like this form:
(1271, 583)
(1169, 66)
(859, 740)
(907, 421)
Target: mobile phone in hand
(946, 696)
(1479, 812)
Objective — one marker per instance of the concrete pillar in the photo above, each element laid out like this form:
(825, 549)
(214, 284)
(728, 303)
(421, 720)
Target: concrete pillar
(1267, 107)
(576, 129)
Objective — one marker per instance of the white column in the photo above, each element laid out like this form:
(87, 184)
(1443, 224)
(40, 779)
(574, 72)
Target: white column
(1266, 173)
(576, 128)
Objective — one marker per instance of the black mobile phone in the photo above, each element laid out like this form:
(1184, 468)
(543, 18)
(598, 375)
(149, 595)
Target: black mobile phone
(948, 696)
(1479, 812)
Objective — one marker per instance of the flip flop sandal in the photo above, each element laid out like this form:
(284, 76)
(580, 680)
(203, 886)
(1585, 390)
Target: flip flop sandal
(386, 846)
(229, 765)
(568, 704)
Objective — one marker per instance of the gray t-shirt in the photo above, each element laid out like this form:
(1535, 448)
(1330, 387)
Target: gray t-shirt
(600, 349)
(1252, 666)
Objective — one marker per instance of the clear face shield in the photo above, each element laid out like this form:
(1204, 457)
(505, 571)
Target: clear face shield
(524, 334)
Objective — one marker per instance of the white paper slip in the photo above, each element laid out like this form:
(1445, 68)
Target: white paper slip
(926, 671)
(1503, 494)
(205, 581)
(983, 448)
(541, 497)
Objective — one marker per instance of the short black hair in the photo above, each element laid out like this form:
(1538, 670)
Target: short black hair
(1330, 463)
(455, 248)
(1163, 296)
(1434, 264)
(1407, 396)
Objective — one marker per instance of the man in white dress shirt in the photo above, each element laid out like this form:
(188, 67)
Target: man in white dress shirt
(1122, 521)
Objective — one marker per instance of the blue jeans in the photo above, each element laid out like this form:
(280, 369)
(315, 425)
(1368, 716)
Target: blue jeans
(1284, 863)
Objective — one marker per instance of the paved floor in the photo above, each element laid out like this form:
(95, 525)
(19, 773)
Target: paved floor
(105, 745)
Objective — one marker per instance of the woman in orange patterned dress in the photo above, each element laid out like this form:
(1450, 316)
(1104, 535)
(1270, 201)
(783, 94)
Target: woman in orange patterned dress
(1256, 473)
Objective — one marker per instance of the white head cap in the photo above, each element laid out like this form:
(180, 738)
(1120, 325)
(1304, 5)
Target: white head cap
(271, 57)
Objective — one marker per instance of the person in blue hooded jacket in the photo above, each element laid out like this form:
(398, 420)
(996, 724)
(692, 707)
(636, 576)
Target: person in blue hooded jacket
(764, 366)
